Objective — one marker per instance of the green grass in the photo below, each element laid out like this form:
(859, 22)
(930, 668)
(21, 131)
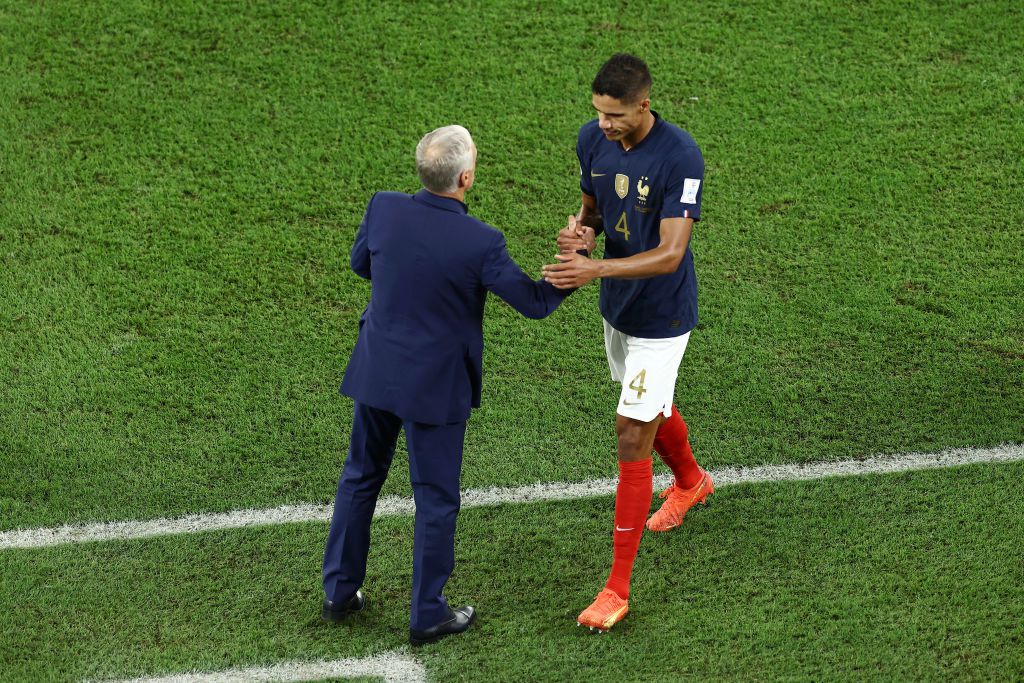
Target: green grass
(883, 577)
(180, 184)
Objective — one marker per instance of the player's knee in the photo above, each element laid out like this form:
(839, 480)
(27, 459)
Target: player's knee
(632, 437)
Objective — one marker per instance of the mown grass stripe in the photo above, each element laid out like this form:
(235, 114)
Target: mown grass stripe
(396, 505)
(394, 667)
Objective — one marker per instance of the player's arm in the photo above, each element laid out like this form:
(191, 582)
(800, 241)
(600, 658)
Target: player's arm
(589, 215)
(582, 229)
(662, 260)
(576, 270)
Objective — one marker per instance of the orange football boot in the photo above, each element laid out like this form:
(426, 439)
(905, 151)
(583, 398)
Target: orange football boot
(606, 611)
(679, 503)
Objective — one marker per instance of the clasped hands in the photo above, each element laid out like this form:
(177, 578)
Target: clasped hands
(573, 269)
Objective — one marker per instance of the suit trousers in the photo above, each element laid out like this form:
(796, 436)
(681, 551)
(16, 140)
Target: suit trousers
(435, 466)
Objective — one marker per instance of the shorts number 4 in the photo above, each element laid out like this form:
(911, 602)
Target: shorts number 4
(637, 383)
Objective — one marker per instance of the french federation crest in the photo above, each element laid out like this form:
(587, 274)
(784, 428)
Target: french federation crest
(642, 190)
(621, 185)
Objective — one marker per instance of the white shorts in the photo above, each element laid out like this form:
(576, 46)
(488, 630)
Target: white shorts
(647, 369)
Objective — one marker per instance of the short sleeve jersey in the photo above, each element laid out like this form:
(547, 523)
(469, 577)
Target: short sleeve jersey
(661, 177)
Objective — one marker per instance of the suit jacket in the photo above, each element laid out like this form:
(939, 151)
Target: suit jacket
(419, 353)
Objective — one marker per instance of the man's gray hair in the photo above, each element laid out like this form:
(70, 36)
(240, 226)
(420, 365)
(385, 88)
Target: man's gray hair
(442, 156)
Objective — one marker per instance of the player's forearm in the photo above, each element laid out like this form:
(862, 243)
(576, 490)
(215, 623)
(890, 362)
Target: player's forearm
(591, 218)
(661, 260)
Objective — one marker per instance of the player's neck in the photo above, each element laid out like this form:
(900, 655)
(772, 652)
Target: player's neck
(637, 136)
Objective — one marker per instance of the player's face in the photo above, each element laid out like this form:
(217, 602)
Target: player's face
(618, 119)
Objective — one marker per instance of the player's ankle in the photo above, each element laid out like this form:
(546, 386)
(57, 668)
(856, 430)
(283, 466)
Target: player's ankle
(618, 588)
(689, 479)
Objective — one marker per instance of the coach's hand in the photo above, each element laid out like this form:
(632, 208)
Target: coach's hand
(573, 270)
(575, 236)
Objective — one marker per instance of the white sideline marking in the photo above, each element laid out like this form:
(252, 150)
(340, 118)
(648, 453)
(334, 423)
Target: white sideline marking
(391, 506)
(393, 667)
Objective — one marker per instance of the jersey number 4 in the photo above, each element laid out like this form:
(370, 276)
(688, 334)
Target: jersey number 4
(623, 227)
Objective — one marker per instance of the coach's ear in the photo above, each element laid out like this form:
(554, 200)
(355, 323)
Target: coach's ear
(466, 178)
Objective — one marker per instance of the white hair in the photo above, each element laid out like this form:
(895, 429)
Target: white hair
(442, 156)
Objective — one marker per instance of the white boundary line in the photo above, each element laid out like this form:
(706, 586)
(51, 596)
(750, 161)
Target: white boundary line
(391, 506)
(395, 666)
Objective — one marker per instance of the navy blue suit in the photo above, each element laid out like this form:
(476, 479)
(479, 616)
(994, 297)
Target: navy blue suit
(418, 364)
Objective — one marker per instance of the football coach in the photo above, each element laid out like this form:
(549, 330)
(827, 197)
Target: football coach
(417, 366)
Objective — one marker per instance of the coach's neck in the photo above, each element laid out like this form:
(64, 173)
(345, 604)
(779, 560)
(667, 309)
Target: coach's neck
(459, 194)
(465, 182)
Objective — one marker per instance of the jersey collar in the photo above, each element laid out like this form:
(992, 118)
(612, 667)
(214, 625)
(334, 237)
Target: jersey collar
(650, 134)
(439, 202)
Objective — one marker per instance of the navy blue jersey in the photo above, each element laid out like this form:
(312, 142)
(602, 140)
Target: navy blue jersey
(661, 177)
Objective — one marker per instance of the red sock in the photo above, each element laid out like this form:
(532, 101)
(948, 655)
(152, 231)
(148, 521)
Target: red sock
(632, 503)
(673, 445)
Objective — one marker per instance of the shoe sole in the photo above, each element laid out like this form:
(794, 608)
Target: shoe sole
(336, 618)
(417, 642)
(333, 617)
(611, 621)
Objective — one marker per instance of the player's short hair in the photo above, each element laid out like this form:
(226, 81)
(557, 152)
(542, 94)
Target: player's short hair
(441, 157)
(624, 77)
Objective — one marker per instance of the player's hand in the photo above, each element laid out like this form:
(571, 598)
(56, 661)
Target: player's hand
(575, 236)
(573, 270)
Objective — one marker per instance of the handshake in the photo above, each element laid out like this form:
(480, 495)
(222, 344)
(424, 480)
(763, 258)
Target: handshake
(574, 268)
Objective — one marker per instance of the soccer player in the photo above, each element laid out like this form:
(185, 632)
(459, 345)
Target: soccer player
(642, 180)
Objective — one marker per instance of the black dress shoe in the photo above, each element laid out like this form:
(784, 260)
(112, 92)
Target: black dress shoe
(337, 611)
(458, 622)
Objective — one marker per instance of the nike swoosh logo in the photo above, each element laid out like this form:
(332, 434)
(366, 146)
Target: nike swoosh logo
(618, 528)
(631, 403)
(596, 175)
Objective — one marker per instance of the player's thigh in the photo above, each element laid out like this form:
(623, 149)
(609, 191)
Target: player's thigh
(649, 380)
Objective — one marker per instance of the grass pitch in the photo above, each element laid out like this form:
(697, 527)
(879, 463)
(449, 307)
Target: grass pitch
(179, 188)
(913, 576)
